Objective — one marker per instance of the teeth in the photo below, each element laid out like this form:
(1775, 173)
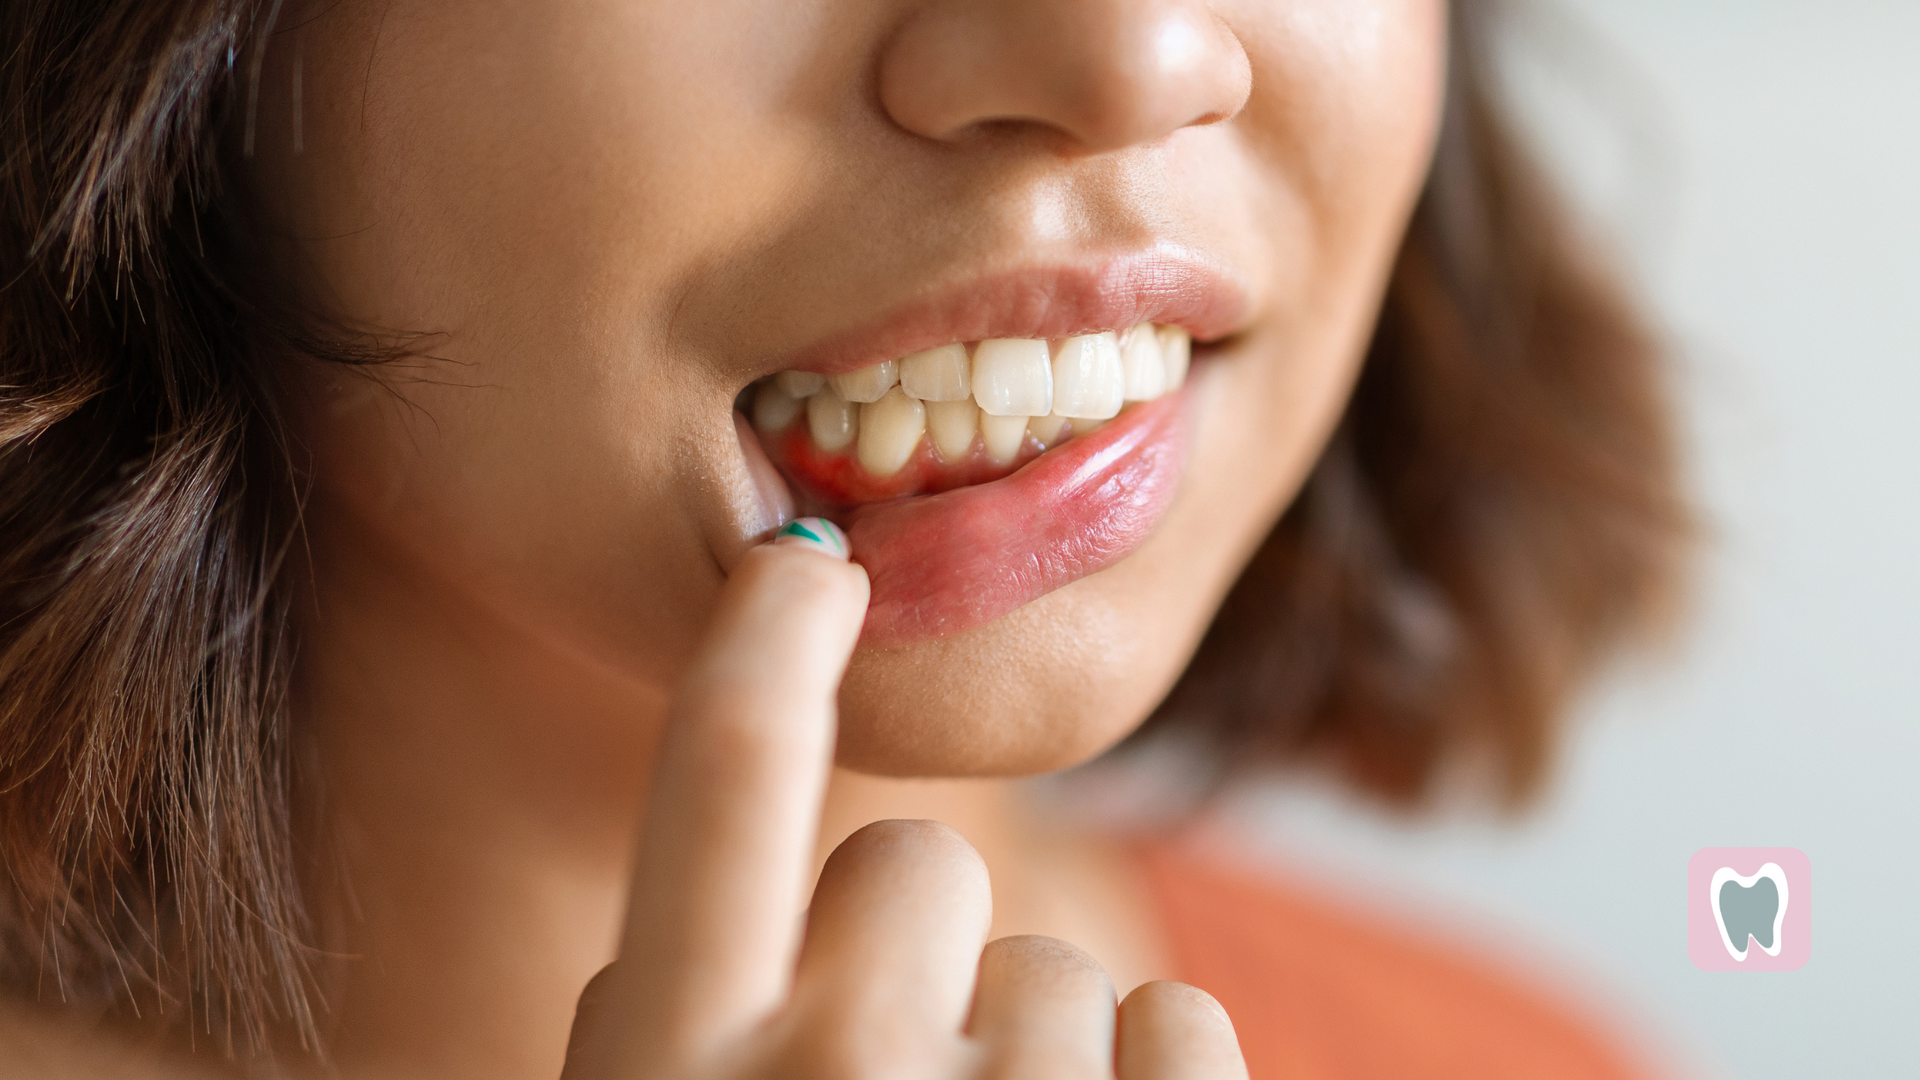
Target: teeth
(941, 374)
(890, 429)
(773, 407)
(800, 384)
(1013, 377)
(1176, 352)
(952, 424)
(832, 420)
(1140, 362)
(1049, 430)
(1005, 390)
(1003, 435)
(867, 384)
(1087, 378)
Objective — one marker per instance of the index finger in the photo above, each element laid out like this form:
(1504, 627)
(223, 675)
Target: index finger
(726, 850)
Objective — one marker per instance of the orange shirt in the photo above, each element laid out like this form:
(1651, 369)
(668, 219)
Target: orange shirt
(1318, 993)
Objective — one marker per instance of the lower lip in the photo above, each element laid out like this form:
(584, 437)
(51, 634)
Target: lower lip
(942, 564)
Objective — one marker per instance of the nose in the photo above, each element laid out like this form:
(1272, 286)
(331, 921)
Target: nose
(1100, 74)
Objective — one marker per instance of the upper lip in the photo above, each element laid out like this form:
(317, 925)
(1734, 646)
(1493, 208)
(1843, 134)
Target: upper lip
(1166, 284)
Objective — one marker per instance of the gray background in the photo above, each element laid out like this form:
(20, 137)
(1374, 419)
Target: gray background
(1775, 226)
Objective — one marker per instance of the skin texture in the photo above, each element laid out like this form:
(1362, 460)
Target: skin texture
(610, 216)
(619, 214)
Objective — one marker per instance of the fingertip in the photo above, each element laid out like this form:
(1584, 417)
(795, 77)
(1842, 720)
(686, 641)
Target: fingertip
(815, 534)
(789, 591)
(1185, 998)
(799, 573)
(934, 842)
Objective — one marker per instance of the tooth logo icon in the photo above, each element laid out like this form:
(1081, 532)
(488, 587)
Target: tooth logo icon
(1749, 909)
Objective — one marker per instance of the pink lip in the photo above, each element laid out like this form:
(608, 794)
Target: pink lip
(941, 564)
(1167, 284)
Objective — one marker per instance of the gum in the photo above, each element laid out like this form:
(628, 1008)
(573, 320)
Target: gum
(837, 480)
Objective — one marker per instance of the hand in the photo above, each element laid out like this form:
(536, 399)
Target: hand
(891, 974)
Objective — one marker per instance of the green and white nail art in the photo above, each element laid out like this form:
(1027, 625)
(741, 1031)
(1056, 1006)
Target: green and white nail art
(818, 533)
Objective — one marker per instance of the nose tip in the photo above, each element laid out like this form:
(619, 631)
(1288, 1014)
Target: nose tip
(1102, 74)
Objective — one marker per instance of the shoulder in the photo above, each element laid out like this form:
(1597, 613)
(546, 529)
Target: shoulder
(37, 1044)
(1316, 990)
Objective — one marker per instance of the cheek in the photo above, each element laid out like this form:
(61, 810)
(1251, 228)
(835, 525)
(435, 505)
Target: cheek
(1347, 105)
(529, 184)
(412, 500)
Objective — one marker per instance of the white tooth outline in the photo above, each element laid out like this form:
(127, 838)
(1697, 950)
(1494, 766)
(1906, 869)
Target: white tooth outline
(1770, 871)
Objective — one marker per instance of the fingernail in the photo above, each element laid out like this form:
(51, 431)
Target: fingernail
(817, 533)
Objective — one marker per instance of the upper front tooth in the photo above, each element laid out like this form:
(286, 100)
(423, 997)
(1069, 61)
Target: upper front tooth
(868, 383)
(889, 430)
(937, 374)
(1013, 377)
(800, 384)
(832, 420)
(1176, 352)
(1140, 361)
(1087, 379)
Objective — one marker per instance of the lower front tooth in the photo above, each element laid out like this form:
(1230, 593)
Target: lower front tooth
(1004, 436)
(832, 420)
(890, 429)
(773, 407)
(951, 425)
(1050, 431)
(1082, 426)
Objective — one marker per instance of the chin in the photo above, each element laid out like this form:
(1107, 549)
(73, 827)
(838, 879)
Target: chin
(1044, 688)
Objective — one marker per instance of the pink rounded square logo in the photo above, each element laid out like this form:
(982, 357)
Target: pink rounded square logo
(1749, 908)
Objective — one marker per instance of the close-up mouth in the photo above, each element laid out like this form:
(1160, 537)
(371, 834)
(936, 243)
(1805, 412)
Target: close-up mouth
(956, 415)
(979, 473)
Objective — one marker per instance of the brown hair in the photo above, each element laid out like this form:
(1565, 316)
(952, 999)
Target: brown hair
(1498, 509)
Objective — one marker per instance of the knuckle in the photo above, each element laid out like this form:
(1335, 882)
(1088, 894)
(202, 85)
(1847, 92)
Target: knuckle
(1165, 995)
(913, 837)
(928, 851)
(1038, 949)
(1043, 965)
(738, 731)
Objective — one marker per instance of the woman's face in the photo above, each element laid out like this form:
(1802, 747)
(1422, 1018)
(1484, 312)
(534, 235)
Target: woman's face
(612, 217)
